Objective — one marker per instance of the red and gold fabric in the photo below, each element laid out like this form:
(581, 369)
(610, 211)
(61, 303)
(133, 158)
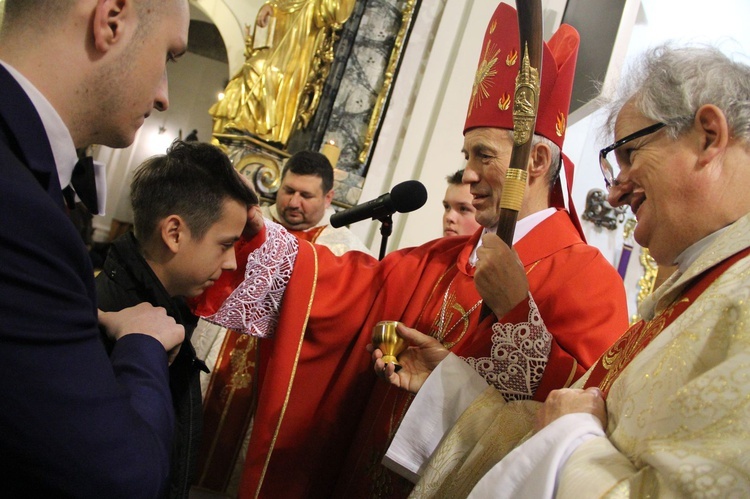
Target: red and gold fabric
(315, 376)
(559, 267)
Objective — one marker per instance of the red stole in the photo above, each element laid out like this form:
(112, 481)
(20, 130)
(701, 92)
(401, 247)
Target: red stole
(639, 335)
(310, 234)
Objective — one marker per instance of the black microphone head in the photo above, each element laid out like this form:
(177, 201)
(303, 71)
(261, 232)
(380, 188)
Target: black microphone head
(408, 196)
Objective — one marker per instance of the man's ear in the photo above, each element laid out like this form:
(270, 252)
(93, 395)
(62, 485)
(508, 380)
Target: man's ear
(173, 232)
(329, 197)
(112, 19)
(713, 129)
(539, 162)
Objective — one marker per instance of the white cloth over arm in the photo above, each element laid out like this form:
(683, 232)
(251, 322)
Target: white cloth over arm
(446, 394)
(531, 469)
(253, 308)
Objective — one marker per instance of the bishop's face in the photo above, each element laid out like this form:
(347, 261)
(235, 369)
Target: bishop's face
(487, 152)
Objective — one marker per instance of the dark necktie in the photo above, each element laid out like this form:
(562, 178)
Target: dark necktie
(83, 182)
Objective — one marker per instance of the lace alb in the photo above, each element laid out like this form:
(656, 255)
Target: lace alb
(253, 308)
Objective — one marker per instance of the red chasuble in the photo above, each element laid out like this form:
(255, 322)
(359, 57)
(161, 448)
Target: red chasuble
(565, 278)
(320, 426)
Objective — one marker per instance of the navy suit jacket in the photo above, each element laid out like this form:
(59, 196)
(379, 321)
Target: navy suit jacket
(74, 422)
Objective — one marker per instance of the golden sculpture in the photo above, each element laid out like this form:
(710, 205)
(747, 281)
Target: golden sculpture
(279, 85)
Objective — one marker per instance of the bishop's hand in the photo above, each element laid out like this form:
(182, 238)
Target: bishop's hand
(499, 277)
(254, 222)
(419, 359)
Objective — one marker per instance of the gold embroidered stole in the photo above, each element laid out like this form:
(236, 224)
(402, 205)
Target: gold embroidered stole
(639, 335)
(229, 406)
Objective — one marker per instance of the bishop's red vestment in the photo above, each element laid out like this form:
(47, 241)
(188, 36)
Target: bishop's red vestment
(323, 424)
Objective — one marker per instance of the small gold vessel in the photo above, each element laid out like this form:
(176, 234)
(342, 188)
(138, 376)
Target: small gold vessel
(385, 337)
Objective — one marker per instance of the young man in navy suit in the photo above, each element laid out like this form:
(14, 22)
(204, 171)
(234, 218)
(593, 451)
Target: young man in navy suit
(75, 421)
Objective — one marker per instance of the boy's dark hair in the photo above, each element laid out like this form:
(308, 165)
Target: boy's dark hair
(192, 180)
(456, 178)
(311, 163)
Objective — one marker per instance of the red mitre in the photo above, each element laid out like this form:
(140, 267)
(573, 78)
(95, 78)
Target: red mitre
(491, 103)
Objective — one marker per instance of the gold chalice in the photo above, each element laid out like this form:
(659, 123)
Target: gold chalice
(385, 337)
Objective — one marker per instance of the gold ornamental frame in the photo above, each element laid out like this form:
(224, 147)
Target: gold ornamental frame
(407, 15)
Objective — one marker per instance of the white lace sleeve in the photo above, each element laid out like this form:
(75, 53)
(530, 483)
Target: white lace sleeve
(518, 358)
(253, 308)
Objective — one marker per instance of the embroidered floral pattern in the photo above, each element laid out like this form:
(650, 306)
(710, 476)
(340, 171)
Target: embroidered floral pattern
(253, 308)
(518, 357)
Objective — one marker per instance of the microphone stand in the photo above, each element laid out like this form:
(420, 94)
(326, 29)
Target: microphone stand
(386, 227)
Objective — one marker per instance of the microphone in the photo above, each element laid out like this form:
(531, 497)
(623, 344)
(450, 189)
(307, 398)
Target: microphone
(403, 198)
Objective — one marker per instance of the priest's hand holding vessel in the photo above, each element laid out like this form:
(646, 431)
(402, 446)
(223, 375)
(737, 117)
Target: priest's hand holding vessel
(385, 338)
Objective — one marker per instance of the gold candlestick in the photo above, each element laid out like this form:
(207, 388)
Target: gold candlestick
(385, 337)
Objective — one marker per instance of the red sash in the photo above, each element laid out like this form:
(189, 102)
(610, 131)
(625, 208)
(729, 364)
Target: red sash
(639, 335)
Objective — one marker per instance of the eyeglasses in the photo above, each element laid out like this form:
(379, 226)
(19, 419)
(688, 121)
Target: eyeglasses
(608, 170)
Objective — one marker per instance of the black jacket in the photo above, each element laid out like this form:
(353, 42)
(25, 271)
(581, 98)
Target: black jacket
(127, 280)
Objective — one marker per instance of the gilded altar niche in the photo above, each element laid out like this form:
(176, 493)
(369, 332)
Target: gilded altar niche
(281, 81)
(301, 63)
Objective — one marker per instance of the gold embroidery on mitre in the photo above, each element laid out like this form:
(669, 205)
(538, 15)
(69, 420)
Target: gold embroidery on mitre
(512, 57)
(493, 26)
(560, 125)
(504, 103)
(483, 78)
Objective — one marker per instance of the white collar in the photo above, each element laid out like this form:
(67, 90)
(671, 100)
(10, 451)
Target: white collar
(523, 227)
(691, 254)
(60, 140)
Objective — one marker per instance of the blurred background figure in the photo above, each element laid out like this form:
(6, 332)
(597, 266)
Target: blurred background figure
(458, 212)
(192, 136)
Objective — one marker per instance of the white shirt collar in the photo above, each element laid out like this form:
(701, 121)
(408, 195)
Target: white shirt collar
(60, 140)
(523, 227)
(691, 254)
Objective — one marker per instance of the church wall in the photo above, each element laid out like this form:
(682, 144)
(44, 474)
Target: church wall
(230, 18)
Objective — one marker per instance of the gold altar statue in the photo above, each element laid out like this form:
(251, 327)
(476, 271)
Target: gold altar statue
(279, 85)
